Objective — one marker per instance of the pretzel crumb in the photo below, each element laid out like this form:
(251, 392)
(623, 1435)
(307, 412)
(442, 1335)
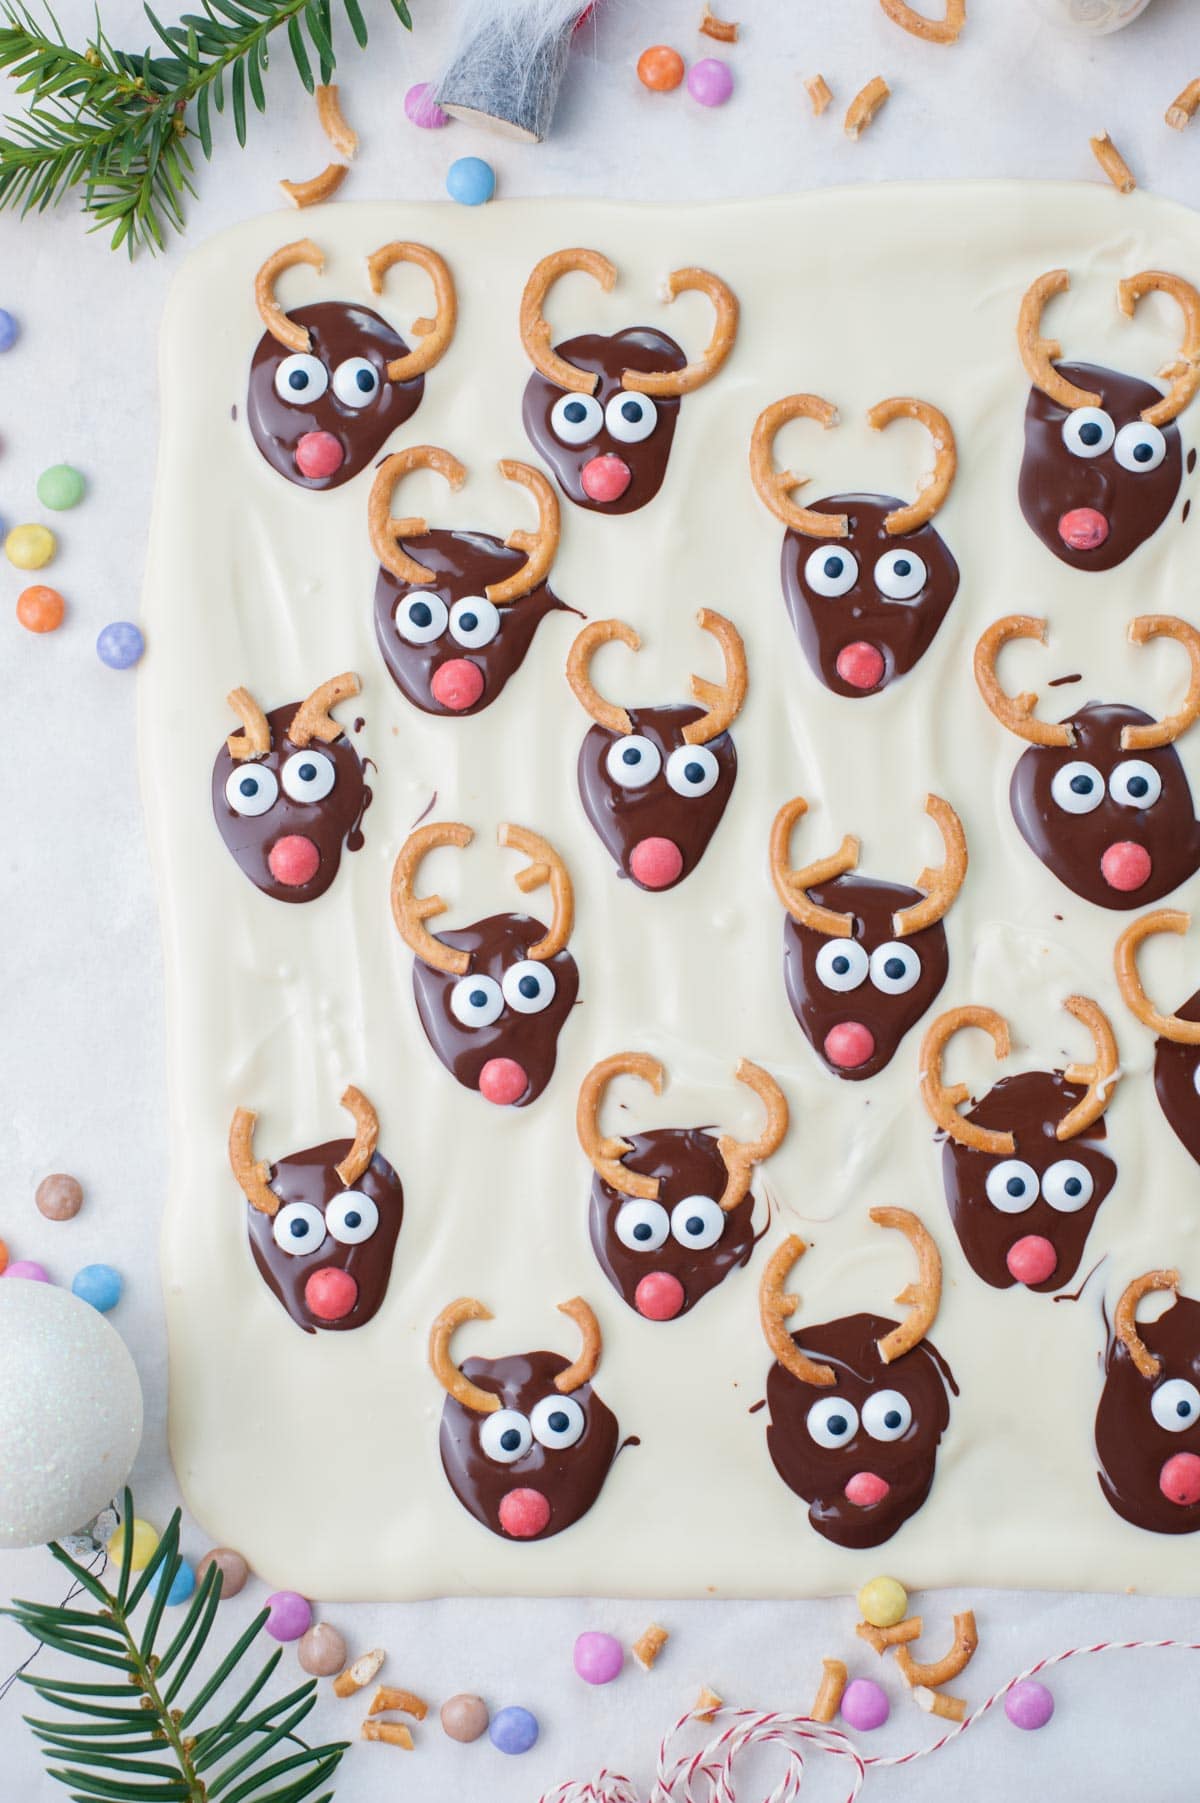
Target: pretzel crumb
(1184, 106)
(333, 122)
(358, 1675)
(865, 105)
(1113, 163)
(394, 1734)
(318, 187)
(882, 1639)
(828, 1698)
(819, 92)
(724, 30)
(934, 1702)
(389, 1696)
(649, 1645)
(707, 1704)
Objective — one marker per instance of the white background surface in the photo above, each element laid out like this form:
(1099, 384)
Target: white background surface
(80, 1061)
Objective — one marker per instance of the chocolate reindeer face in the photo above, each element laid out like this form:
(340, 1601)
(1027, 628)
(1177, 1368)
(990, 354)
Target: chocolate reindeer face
(285, 811)
(1148, 1420)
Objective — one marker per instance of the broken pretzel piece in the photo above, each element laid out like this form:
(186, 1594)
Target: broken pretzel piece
(1113, 163)
(934, 31)
(318, 187)
(333, 121)
(933, 1702)
(360, 1673)
(724, 30)
(819, 92)
(707, 1704)
(649, 1645)
(828, 1698)
(1184, 106)
(940, 1671)
(865, 105)
(884, 1639)
(394, 1734)
(389, 1696)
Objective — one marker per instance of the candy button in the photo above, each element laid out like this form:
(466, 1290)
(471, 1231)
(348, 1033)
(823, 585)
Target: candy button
(523, 1513)
(145, 1539)
(849, 1045)
(318, 455)
(605, 478)
(293, 860)
(883, 1602)
(1032, 1259)
(1179, 1479)
(659, 1296)
(513, 1730)
(660, 68)
(422, 109)
(100, 1285)
(865, 1489)
(470, 181)
(1083, 529)
(464, 1717)
(322, 1651)
(40, 609)
(29, 1269)
(656, 863)
(9, 330)
(860, 665)
(181, 1585)
(59, 1197)
(30, 547)
(233, 1568)
(710, 82)
(502, 1081)
(120, 645)
(330, 1294)
(864, 1705)
(1126, 866)
(598, 1658)
(60, 487)
(1029, 1705)
(289, 1615)
(457, 684)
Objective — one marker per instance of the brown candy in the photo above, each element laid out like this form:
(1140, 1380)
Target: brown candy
(322, 1651)
(234, 1570)
(59, 1197)
(465, 1717)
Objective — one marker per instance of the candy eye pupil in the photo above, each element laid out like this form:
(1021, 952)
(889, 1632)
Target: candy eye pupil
(1090, 433)
(1015, 1186)
(468, 622)
(1143, 452)
(1081, 785)
(529, 987)
(420, 613)
(643, 1231)
(695, 1225)
(833, 567)
(1138, 785)
(1183, 1410)
(903, 567)
(894, 968)
(837, 1424)
(307, 773)
(631, 756)
(694, 772)
(558, 1423)
(298, 379)
(478, 998)
(892, 1419)
(576, 412)
(364, 380)
(299, 1230)
(510, 1439)
(841, 965)
(248, 786)
(353, 1218)
(632, 411)
(1073, 1186)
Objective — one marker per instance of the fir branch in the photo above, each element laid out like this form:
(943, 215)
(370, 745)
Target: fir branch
(114, 127)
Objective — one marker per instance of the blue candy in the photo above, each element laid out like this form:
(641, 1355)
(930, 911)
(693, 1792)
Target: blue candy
(9, 330)
(182, 1585)
(100, 1285)
(471, 181)
(513, 1730)
(120, 645)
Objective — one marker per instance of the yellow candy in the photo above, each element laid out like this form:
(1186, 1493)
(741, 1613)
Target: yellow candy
(145, 1539)
(883, 1602)
(30, 547)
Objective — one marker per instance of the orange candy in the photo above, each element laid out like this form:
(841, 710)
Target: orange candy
(40, 609)
(660, 68)
(3, 1257)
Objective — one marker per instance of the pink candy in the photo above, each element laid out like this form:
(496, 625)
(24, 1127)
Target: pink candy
(860, 664)
(656, 863)
(29, 1269)
(422, 109)
(318, 455)
(1179, 1479)
(866, 1489)
(524, 1513)
(290, 1615)
(502, 1081)
(605, 478)
(849, 1044)
(457, 684)
(1032, 1259)
(1126, 866)
(710, 82)
(659, 1296)
(598, 1658)
(294, 860)
(1029, 1705)
(864, 1705)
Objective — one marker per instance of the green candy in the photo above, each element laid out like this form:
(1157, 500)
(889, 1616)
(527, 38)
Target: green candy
(60, 487)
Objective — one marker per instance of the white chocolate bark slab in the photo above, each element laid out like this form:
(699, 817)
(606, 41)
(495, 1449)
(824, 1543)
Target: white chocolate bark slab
(317, 1455)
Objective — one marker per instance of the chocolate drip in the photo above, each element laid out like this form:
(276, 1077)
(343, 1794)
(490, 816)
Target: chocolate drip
(1177, 1082)
(1133, 1448)
(625, 817)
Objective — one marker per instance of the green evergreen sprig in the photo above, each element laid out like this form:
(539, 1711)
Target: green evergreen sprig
(135, 1736)
(116, 127)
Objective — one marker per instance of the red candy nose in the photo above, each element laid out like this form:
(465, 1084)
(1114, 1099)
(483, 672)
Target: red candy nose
(1032, 1259)
(524, 1513)
(318, 454)
(849, 1044)
(860, 664)
(656, 863)
(1126, 866)
(1179, 1479)
(330, 1294)
(1083, 529)
(605, 478)
(865, 1489)
(503, 1081)
(293, 860)
(659, 1296)
(457, 684)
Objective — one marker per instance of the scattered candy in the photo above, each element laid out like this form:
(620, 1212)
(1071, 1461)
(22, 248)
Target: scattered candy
(598, 1658)
(883, 1602)
(513, 1730)
(145, 1539)
(1029, 1704)
(9, 330)
(40, 609)
(120, 645)
(465, 1717)
(233, 1568)
(30, 547)
(422, 109)
(710, 81)
(470, 181)
(322, 1651)
(660, 68)
(100, 1285)
(59, 1197)
(289, 1615)
(29, 1269)
(60, 487)
(864, 1705)
(181, 1586)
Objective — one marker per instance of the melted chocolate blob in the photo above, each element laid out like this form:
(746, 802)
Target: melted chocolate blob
(839, 632)
(1132, 1444)
(530, 1040)
(492, 641)
(1177, 1082)
(1138, 841)
(353, 346)
(642, 459)
(569, 1478)
(1053, 1208)
(857, 1030)
(682, 803)
(663, 1281)
(311, 1178)
(894, 1472)
(323, 825)
(1094, 511)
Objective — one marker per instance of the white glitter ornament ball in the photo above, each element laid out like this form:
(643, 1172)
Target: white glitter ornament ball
(1096, 17)
(70, 1412)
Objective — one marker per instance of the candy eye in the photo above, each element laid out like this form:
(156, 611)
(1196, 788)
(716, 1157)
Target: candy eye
(576, 418)
(631, 417)
(642, 1226)
(476, 1001)
(633, 761)
(356, 382)
(421, 618)
(251, 789)
(557, 1422)
(308, 776)
(301, 379)
(474, 622)
(842, 964)
(895, 967)
(299, 1228)
(887, 1415)
(528, 986)
(1135, 784)
(1012, 1186)
(351, 1217)
(697, 1222)
(505, 1436)
(1140, 447)
(831, 1423)
(1175, 1405)
(831, 573)
(1077, 788)
(692, 770)
(900, 575)
(1067, 1186)
(1088, 432)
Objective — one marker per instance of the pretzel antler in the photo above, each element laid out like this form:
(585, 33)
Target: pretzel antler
(1015, 711)
(1168, 1026)
(285, 331)
(742, 1156)
(1167, 730)
(410, 911)
(775, 1308)
(584, 1368)
(1100, 1077)
(605, 1153)
(933, 490)
(366, 1136)
(1039, 354)
(774, 486)
(1125, 1317)
(535, 331)
(943, 1103)
(540, 547)
(792, 886)
(920, 1298)
(579, 659)
(692, 375)
(483, 1402)
(722, 699)
(253, 1178)
(254, 740)
(435, 334)
(313, 718)
(547, 867)
(1184, 371)
(941, 885)
(386, 531)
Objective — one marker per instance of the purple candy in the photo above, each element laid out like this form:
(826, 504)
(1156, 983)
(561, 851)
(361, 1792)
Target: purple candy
(29, 1269)
(1029, 1704)
(422, 109)
(290, 1615)
(598, 1658)
(864, 1705)
(710, 82)
(120, 645)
